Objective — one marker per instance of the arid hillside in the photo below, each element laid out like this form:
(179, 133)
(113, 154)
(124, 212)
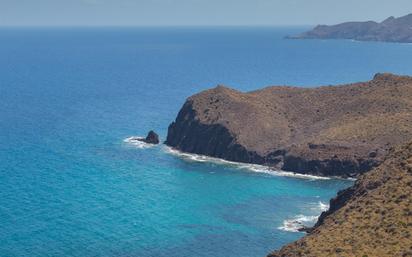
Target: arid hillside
(373, 218)
(330, 130)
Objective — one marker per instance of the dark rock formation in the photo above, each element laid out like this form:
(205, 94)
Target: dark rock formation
(371, 218)
(305, 229)
(390, 30)
(151, 138)
(332, 131)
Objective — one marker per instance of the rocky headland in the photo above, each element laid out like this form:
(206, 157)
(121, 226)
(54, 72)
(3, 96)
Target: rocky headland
(390, 30)
(341, 130)
(371, 218)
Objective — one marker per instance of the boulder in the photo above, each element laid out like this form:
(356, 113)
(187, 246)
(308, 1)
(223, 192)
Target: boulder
(151, 138)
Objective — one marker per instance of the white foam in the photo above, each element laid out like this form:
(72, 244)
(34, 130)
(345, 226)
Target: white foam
(134, 141)
(319, 207)
(298, 222)
(323, 206)
(238, 165)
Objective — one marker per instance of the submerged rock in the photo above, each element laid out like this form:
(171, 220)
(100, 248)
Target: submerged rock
(151, 138)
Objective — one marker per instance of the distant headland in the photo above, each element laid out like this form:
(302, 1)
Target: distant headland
(390, 30)
(330, 131)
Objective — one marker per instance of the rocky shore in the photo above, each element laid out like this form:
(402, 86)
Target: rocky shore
(371, 218)
(341, 130)
(390, 30)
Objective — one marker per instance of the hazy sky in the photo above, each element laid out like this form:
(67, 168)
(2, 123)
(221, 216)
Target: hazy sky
(195, 12)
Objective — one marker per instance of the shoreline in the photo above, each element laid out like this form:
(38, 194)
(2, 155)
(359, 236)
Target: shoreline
(246, 166)
(199, 158)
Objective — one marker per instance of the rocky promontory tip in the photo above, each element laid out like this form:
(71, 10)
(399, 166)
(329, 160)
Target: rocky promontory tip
(151, 138)
(390, 30)
(330, 131)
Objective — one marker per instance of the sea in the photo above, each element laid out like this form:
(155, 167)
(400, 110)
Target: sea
(74, 183)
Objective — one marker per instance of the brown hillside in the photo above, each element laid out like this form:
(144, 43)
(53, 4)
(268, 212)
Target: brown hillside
(329, 130)
(373, 218)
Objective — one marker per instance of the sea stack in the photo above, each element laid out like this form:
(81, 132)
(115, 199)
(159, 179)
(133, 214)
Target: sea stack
(341, 130)
(151, 138)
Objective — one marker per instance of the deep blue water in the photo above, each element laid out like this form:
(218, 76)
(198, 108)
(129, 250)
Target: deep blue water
(70, 186)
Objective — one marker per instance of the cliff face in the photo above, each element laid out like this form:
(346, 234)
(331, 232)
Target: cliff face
(340, 130)
(189, 134)
(371, 218)
(390, 30)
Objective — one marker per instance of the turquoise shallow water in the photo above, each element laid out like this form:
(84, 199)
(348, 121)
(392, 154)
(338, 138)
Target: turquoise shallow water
(69, 184)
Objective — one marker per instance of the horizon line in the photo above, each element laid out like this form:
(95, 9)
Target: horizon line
(158, 26)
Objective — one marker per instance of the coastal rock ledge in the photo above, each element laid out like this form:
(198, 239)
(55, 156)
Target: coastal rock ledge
(330, 130)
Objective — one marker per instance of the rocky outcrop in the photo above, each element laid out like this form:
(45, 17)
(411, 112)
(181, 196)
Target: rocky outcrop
(390, 30)
(151, 138)
(371, 218)
(332, 130)
(189, 134)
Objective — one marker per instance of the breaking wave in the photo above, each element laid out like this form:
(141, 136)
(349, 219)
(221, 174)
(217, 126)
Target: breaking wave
(323, 206)
(238, 165)
(301, 221)
(298, 222)
(134, 141)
